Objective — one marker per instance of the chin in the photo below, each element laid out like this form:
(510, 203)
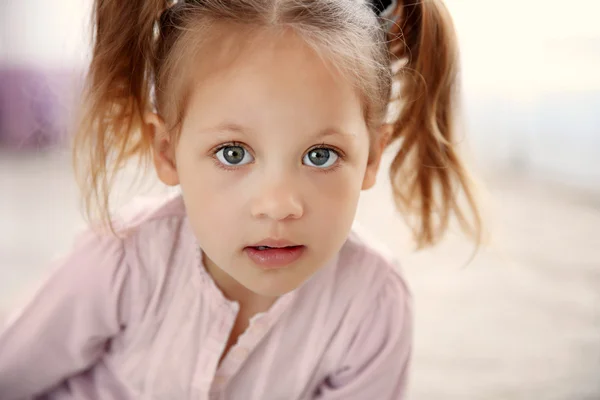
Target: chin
(273, 288)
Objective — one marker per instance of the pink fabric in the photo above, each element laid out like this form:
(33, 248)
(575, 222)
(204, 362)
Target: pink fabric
(138, 317)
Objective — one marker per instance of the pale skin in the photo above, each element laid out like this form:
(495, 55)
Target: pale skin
(272, 104)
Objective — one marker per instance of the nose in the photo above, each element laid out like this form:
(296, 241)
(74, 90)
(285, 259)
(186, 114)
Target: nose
(278, 200)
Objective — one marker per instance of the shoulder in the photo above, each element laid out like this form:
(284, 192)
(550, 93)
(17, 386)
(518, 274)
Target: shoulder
(382, 319)
(148, 241)
(145, 214)
(153, 223)
(365, 279)
(371, 269)
(374, 337)
(145, 240)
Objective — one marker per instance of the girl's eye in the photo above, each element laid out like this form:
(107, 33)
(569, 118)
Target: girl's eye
(233, 155)
(320, 157)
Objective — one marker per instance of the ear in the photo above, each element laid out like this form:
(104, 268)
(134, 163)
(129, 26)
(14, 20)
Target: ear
(379, 144)
(163, 149)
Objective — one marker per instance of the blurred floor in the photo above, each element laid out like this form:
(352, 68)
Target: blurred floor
(520, 322)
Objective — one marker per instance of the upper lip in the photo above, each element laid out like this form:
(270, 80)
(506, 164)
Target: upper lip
(274, 243)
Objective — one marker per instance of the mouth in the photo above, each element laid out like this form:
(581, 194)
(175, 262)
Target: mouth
(262, 248)
(274, 254)
(274, 244)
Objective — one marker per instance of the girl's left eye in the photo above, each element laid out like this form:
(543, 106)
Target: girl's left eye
(320, 157)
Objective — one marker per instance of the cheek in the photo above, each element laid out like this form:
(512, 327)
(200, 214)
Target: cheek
(337, 186)
(211, 196)
(342, 190)
(337, 193)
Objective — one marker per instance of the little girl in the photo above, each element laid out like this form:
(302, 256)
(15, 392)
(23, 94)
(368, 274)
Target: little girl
(270, 117)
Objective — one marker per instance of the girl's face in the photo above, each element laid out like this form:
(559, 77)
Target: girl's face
(273, 151)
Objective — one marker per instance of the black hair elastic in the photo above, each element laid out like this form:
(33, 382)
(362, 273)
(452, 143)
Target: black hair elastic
(383, 7)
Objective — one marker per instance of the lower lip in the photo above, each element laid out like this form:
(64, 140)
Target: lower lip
(274, 258)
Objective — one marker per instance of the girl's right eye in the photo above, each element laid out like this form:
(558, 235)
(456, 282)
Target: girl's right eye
(233, 155)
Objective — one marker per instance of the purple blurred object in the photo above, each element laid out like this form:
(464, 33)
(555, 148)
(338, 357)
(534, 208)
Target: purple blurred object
(36, 107)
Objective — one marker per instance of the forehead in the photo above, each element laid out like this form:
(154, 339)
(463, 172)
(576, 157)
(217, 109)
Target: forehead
(266, 77)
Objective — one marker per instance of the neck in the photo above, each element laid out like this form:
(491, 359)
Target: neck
(249, 301)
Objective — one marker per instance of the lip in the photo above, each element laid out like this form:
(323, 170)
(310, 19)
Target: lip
(274, 243)
(281, 254)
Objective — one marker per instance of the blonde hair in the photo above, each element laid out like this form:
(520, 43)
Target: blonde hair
(140, 44)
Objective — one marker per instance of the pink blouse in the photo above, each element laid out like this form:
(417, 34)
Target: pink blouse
(138, 317)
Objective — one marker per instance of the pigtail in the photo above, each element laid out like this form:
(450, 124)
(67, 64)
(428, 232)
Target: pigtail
(427, 172)
(116, 95)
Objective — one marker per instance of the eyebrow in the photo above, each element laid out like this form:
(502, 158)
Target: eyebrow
(335, 132)
(229, 127)
(236, 128)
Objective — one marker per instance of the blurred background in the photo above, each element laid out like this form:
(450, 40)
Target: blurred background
(519, 320)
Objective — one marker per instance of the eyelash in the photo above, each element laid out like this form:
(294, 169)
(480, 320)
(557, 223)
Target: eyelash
(222, 146)
(340, 154)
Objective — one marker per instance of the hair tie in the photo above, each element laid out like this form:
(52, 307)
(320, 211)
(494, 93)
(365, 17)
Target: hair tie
(383, 7)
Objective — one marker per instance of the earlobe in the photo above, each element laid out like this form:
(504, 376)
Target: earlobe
(376, 153)
(163, 150)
